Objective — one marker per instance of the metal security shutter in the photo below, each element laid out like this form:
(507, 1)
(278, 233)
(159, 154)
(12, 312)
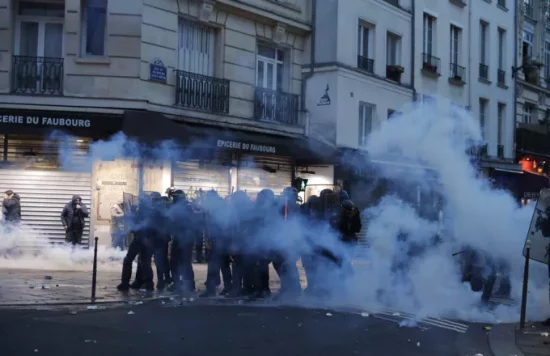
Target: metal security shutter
(190, 176)
(258, 172)
(43, 196)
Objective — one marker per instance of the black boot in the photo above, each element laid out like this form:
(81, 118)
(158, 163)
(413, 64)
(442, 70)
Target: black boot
(123, 287)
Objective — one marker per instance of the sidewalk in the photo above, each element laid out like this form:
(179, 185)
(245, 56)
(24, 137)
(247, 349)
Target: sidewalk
(39, 287)
(508, 340)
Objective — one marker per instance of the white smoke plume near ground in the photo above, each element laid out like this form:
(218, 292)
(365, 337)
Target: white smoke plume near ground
(475, 215)
(25, 248)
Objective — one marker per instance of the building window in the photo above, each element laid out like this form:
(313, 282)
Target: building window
(501, 120)
(94, 23)
(484, 39)
(365, 49)
(528, 113)
(270, 71)
(501, 48)
(528, 40)
(529, 9)
(429, 34)
(455, 44)
(393, 49)
(196, 48)
(366, 116)
(483, 104)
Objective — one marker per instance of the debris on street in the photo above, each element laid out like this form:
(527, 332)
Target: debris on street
(365, 315)
(48, 277)
(91, 307)
(131, 313)
(328, 314)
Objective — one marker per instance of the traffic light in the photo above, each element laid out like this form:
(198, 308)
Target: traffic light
(300, 184)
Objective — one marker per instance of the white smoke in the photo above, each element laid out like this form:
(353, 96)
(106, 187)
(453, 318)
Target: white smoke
(475, 215)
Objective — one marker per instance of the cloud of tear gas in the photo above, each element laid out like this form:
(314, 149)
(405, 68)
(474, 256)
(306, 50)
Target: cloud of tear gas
(411, 262)
(410, 267)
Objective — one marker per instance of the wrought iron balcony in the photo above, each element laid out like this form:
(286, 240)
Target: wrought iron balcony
(274, 105)
(201, 92)
(431, 63)
(501, 77)
(37, 75)
(483, 71)
(365, 64)
(457, 72)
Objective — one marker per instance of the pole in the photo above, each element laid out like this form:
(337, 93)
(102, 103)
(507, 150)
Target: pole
(525, 284)
(94, 271)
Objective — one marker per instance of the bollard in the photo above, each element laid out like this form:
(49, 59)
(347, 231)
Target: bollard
(94, 271)
(525, 284)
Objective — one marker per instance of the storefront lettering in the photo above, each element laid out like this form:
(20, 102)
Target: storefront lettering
(246, 146)
(44, 121)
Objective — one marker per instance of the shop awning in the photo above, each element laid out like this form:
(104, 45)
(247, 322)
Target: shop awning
(153, 128)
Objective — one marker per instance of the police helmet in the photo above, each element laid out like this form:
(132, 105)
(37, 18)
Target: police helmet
(179, 194)
(290, 192)
(325, 193)
(344, 195)
(265, 196)
(348, 206)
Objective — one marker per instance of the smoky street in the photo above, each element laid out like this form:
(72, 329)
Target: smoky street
(206, 329)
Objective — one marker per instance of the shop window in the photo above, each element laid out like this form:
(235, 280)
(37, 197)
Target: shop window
(94, 24)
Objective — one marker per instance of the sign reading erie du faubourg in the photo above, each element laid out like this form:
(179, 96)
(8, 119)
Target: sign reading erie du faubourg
(44, 121)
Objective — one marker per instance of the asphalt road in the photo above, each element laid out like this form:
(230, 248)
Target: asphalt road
(212, 329)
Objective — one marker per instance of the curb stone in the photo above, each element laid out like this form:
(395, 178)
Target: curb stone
(502, 340)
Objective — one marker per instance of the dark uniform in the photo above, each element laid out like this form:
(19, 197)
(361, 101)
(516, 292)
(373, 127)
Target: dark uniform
(216, 236)
(161, 239)
(263, 213)
(244, 270)
(183, 227)
(11, 208)
(142, 245)
(283, 259)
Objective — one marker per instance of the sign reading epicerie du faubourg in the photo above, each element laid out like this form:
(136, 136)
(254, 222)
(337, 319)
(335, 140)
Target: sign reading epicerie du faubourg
(44, 121)
(246, 146)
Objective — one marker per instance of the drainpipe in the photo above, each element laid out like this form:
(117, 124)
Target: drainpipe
(470, 68)
(413, 69)
(312, 54)
(514, 89)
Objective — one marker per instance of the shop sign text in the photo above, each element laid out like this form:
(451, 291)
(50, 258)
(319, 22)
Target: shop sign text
(44, 121)
(251, 147)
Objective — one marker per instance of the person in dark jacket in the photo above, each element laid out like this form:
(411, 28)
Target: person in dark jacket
(264, 211)
(160, 235)
(244, 271)
(182, 225)
(283, 261)
(143, 246)
(73, 219)
(11, 207)
(215, 211)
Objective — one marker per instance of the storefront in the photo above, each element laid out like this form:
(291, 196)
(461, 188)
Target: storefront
(257, 172)
(45, 160)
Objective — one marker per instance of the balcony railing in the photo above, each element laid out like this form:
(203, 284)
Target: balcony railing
(501, 77)
(483, 71)
(431, 63)
(201, 92)
(274, 105)
(365, 64)
(37, 75)
(457, 72)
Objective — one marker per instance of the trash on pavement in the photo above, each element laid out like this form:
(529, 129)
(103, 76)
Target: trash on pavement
(48, 277)
(73, 313)
(31, 287)
(408, 323)
(45, 286)
(191, 299)
(544, 334)
(131, 313)
(92, 341)
(135, 303)
(91, 307)
(478, 355)
(487, 328)
(35, 350)
(365, 314)
(328, 314)
(418, 344)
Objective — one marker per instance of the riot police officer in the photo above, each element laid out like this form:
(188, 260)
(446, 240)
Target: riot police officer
(264, 211)
(182, 225)
(161, 238)
(284, 257)
(142, 245)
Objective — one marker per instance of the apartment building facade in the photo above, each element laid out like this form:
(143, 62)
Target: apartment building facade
(223, 79)
(361, 75)
(532, 75)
